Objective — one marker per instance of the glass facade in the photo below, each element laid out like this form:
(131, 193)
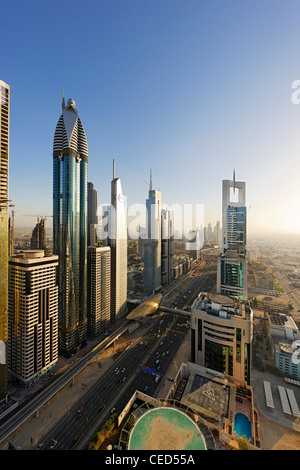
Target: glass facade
(70, 227)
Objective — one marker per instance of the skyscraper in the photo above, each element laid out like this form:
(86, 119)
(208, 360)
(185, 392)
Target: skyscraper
(70, 160)
(167, 246)
(92, 217)
(152, 244)
(118, 244)
(98, 289)
(32, 314)
(232, 266)
(4, 162)
(38, 237)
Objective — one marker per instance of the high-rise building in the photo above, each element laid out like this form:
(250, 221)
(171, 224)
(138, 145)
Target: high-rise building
(70, 161)
(152, 243)
(221, 333)
(167, 246)
(117, 240)
(4, 236)
(232, 265)
(92, 217)
(99, 261)
(38, 237)
(33, 315)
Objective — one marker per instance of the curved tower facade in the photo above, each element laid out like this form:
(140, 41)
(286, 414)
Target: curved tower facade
(70, 159)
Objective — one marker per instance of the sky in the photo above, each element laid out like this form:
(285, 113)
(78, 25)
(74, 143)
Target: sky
(190, 88)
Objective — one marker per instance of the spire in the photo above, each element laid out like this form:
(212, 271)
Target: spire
(114, 168)
(150, 179)
(63, 100)
(234, 180)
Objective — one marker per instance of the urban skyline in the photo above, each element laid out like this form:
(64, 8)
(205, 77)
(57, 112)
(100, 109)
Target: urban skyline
(194, 108)
(161, 313)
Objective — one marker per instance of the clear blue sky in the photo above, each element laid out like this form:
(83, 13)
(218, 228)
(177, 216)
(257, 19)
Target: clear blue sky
(189, 88)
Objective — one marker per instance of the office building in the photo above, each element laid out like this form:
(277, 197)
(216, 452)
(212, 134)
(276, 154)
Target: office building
(152, 243)
(222, 331)
(167, 246)
(70, 160)
(33, 315)
(99, 283)
(4, 235)
(38, 237)
(232, 264)
(117, 240)
(92, 217)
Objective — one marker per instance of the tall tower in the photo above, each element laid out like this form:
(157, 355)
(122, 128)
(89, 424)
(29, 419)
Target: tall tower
(4, 161)
(232, 266)
(152, 244)
(99, 265)
(70, 160)
(167, 246)
(118, 245)
(92, 218)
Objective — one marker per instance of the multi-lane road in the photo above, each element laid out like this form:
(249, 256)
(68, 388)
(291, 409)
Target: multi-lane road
(116, 386)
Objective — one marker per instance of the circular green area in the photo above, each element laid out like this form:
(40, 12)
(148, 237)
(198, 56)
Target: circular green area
(166, 429)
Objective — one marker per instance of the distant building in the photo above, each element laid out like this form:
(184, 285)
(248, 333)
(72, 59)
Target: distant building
(195, 243)
(99, 285)
(38, 237)
(152, 243)
(167, 246)
(232, 263)
(92, 217)
(4, 236)
(33, 315)
(222, 330)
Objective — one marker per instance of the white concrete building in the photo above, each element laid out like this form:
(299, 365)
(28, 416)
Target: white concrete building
(32, 315)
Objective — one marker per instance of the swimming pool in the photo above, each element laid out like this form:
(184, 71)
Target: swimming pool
(242, 425)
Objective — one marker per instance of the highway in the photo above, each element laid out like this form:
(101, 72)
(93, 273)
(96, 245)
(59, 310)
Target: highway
(114, 389)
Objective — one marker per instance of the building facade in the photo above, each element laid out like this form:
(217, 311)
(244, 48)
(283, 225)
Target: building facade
(39, 237)
(4, 234)
(117, 240)
(167, 246)
(222, 332)
(92, 217)
(33, 315)
(99, 284)
(232, 264)
(70, 160)
(152, 243)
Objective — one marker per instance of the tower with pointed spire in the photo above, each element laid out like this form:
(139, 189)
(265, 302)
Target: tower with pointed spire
(117, 241)
(70, 160)
(232, 265)
(152, 244)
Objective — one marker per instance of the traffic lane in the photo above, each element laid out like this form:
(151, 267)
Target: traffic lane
(107, 385)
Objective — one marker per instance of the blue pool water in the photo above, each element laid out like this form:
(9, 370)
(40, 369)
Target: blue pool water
(242, 425)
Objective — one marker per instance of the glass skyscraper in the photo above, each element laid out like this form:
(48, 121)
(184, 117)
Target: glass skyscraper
(232, 266)
(4, 161)
(70, 160)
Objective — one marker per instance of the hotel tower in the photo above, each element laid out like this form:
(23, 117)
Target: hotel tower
(70, 161)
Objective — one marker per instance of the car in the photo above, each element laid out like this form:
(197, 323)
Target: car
(53, 444)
